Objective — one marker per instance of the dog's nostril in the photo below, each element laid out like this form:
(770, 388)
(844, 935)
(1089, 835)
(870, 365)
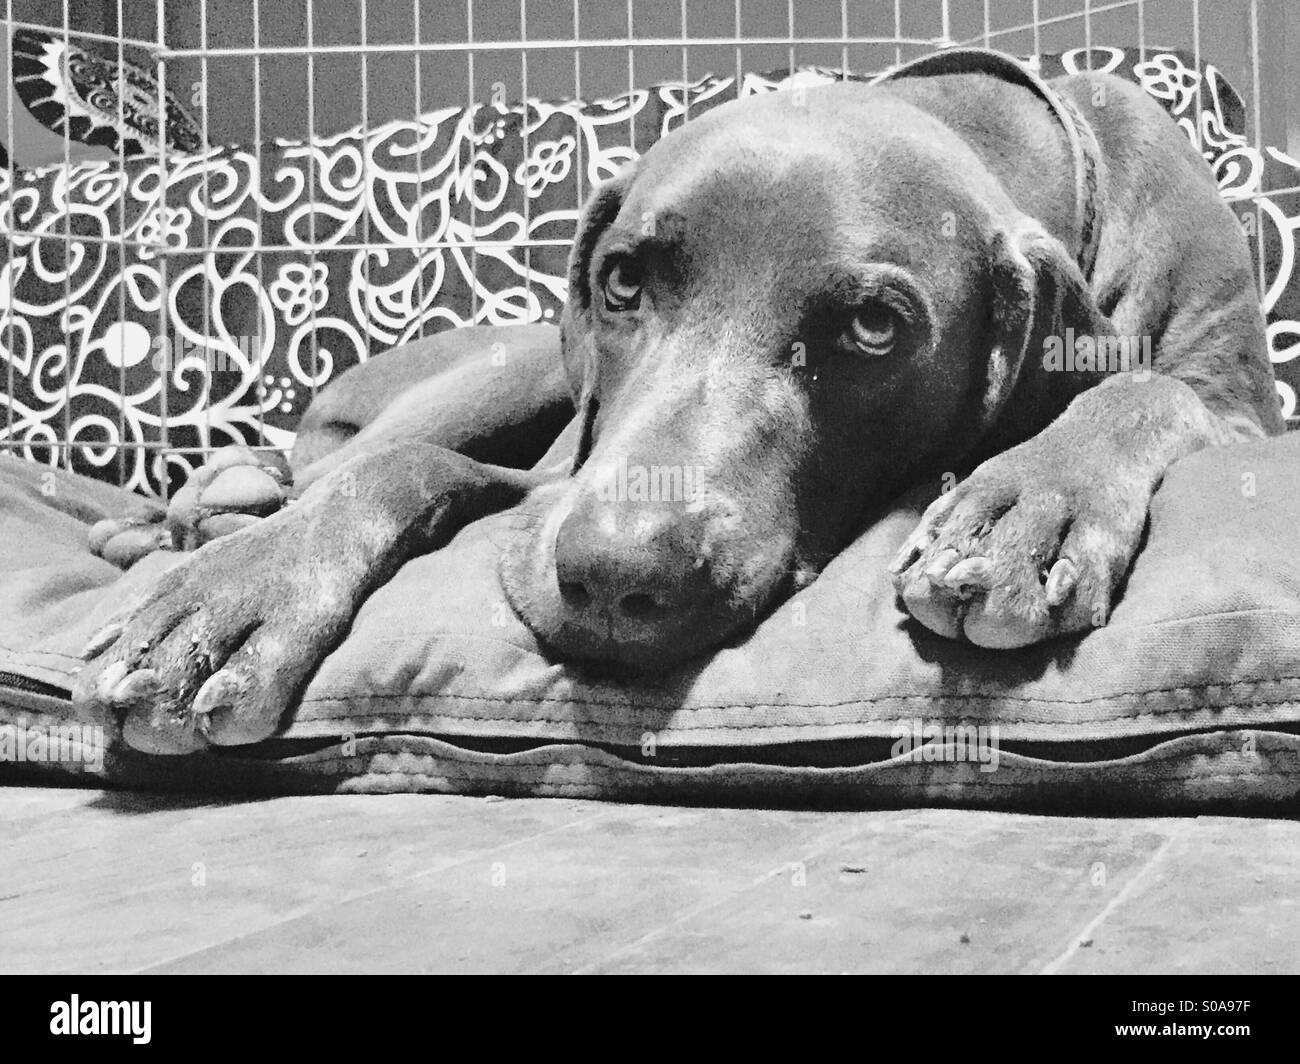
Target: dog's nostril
(639, 606)
(574, 593)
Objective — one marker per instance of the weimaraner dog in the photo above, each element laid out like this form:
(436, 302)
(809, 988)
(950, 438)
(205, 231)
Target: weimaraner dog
(789, 310)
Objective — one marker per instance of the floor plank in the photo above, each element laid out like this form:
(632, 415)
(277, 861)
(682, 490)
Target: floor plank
(405, 883)
(548, 904)
(922, 891)
(174, 878)
(1226, 899)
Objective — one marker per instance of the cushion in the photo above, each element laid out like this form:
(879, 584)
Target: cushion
(1189, 698)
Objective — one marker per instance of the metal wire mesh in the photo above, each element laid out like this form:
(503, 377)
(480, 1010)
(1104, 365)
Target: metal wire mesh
(306, 69)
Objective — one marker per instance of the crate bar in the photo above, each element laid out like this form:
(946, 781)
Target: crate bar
(352, 245)
(365, 179)
(103, 38)
(740, 62)
(1200, 70)
(631, 75)
(88, 238)
(160, 18)
(523, 134)
(121, 247)
(473, 163)
(69, 363)
(789, 29)
(311, 197)
(1087, 32)
(9, 243)
(686, 78)
(1256, 87)
(259, 339)
(580, 146)
(127, 445)
(417, 70)
(1289, 190)
(844, 38)
(1074, 16)
(548, 44)
(207, 199)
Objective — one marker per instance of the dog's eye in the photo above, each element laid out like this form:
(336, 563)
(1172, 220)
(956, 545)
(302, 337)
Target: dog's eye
(873, 329)
(622, 286)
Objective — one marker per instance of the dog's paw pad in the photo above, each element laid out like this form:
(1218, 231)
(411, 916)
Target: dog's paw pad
(231, 491)
(124, 542)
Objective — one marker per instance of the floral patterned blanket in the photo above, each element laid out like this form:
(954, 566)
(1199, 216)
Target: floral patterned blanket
(183, 302)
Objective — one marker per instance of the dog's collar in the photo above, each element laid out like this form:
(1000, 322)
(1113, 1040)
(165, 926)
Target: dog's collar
(1082, 140)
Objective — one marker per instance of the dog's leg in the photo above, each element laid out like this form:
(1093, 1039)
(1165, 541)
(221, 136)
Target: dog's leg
(497, 394)
(219, 649)
(494, 393)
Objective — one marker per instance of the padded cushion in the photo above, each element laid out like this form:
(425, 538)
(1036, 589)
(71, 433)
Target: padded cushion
(1190, 696)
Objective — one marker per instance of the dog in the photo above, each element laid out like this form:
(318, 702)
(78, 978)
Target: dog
(807, 301)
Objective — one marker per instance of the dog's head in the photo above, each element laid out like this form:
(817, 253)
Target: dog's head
(776, 317)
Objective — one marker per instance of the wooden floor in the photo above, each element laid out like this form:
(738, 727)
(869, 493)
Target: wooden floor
(93, 881)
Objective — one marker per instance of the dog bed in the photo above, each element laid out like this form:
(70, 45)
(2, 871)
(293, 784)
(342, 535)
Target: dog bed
(1189, 698)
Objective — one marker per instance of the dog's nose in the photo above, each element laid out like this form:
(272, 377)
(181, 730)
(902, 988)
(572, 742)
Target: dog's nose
(630, 568)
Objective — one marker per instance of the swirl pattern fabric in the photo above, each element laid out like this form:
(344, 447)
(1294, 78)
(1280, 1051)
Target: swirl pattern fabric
(95, 99)
(181, 303)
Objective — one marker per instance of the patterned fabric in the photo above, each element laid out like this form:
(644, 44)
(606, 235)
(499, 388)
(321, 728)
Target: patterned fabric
(94, 99)
(245, 336)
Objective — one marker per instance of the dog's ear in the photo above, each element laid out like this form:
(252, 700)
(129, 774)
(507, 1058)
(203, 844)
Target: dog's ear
(601, 209)
(1039, 293)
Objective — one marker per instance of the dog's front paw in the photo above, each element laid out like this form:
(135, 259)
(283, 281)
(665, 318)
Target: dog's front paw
(218, 649)
(1032, 545)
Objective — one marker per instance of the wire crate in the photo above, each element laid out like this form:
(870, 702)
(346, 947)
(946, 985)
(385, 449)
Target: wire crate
(212, 207)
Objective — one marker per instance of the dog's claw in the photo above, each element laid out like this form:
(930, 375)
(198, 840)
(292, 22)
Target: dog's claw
(971, 574)
(1061, 581)
(139, 685)
(108, 680)
(937, 570)
(221, 690)
(102, 640)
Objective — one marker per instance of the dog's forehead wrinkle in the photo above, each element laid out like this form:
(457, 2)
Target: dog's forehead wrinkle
(765, 144)
(793, 249)
(695, 202)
